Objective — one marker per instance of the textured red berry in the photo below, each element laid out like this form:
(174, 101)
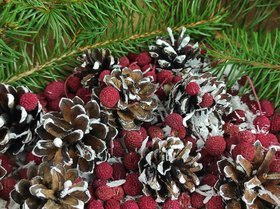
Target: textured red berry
(132, 186)
(28, 101)
(95, 204)
(197, 200)
(30, 157)
(161, 93)
(267, 140)
(275, 123)
(118, 193)
(74, 83)
(185, 200)
(230, 129)
(84, 94)
(237, 116)
(112, 204)
(132, 56)
(267, 108)
(275, 166)
(174, 120)
(231, 141)
(6, 163)
(131, 161)
(104, 171)
(209, 179)
(215, 202)
(176, 79)
(117, 149)
(104, 192)
(192, 88)
(179, 132)
(143, 133)
(245, 149)
(134, 66)
(42, 99)
(109, 96)
(253, 106)
(119, 171)
(124, 61)
(192, 140)
(207, 100)
(215, 145)
(246, 136)
(129, 204)
(171, 204)
(153, 74)
(133, 140)
(165, 76)
(146, 68)
(53, 105)
(54, 90)
(8, 185)
(262, 123)
(143, 59)
(147, 202)
(103, 74)
(155, 132)
(97, 183)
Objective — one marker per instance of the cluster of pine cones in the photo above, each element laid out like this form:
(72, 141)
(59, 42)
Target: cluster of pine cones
(145, 131)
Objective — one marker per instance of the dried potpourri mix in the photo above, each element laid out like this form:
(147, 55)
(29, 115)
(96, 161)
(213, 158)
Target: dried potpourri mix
(144, 131)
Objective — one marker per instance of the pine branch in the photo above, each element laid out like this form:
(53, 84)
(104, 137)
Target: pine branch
(250, 53)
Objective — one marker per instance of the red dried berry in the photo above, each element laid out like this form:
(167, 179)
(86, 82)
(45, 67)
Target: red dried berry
(53, 105)
(109, 96)
(262, 123)
(215, 145)
(132, 185)
(8, 185)
(117, 149)
(119, 171)
(124, 61)
(215, 202)
(209, 179)
(31, 157)
(197, 200)
(143, 58)
(179, 132)
(267, 108)
(28, 101)
(176, 79)
(275, 166)
(171, 204)
(84, 94)
(112, 204)
(185, 200)
(275, 123)
(6, 163)
(133, 140)
(153, 74)
(74, 83)
(267, 140)
(231, 141)
(95, 204)
(192, 88)
(174, 120)
(230, 129)
(129, 204)
(147, 202)
(165, 76)
(155, 132)
(245, 149)
(192, 140)
(54, 90)
(134, 66)
(246, 136)
(132, 56)
(161, 94)
(237, 116)
(104, 192)
(118, 193)
(207, 100)
(131, 161)
(104, 171)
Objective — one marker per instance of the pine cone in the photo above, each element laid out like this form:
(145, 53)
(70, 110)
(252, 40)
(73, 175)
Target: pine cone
(94, 62)
(248, 184)
(167, 169)
(178, 53)
(3, 172)
(17, 125)
(78, 135)
(202, 100)
(51, 187)
(137, 101)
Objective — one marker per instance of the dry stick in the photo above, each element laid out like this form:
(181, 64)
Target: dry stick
(254, 92)
(96, 45)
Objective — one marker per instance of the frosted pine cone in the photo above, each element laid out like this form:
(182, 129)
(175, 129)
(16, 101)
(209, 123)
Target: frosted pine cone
(79, 134)
(167, 169)
(129, 96)
(51, 187)
(202, 100)
(18, 118)
(178, 53)
(94, 62)
(246, 184)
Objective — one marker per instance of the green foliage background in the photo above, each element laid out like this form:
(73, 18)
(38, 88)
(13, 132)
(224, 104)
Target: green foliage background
(40, 39)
